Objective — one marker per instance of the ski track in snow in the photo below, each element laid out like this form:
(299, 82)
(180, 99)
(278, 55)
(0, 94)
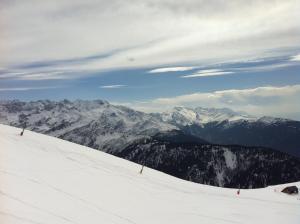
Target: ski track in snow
(65, 193)
(45, 180)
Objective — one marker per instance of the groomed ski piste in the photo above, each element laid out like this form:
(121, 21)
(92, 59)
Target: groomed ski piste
(45, 180)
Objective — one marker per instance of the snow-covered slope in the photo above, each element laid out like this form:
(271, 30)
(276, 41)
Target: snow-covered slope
(47, 180)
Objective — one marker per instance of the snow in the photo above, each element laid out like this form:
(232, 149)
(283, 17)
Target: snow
(271, 120)
(188, 116)
(48, 180)
(95, 123)
(230, 159)
(180, 115)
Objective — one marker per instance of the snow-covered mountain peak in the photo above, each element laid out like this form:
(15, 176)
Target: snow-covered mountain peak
(220, 114)
(200, 115)
(182, 115)
(271, 120)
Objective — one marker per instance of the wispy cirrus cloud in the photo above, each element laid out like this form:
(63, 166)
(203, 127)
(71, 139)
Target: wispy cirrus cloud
(295, 58)
(38, 74)
(171, 69)
(28, 88)
(112, 86)
(207, 72)
(45, 76)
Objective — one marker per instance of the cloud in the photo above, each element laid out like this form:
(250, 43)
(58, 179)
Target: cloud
(171, 69)
(44, 76)
(70, 35)
(112, 86)
(38, 74)
(267, 100)
(208, 72)
(27, 88)
(295, 58)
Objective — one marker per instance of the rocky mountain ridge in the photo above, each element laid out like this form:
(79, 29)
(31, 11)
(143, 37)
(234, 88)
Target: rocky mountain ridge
(110, 128)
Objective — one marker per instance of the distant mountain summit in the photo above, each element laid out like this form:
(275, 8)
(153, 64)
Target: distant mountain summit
(182, 116)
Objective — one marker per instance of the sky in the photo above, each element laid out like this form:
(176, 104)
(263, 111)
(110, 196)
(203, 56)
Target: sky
(152, 55)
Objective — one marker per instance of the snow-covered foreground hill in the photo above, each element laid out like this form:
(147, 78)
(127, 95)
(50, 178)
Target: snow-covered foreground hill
(47, 180)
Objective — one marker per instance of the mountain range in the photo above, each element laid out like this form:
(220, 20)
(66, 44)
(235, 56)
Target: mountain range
(192, 144)
(96, 124)
(224, 126)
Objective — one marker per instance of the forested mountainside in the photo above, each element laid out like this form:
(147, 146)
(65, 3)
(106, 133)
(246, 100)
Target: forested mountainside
(225, 166)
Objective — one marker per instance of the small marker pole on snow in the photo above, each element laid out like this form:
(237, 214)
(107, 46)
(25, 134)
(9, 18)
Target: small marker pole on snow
(143, 162)
(23, 121)
(141, 171)
(22, 132)
(238, 164)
